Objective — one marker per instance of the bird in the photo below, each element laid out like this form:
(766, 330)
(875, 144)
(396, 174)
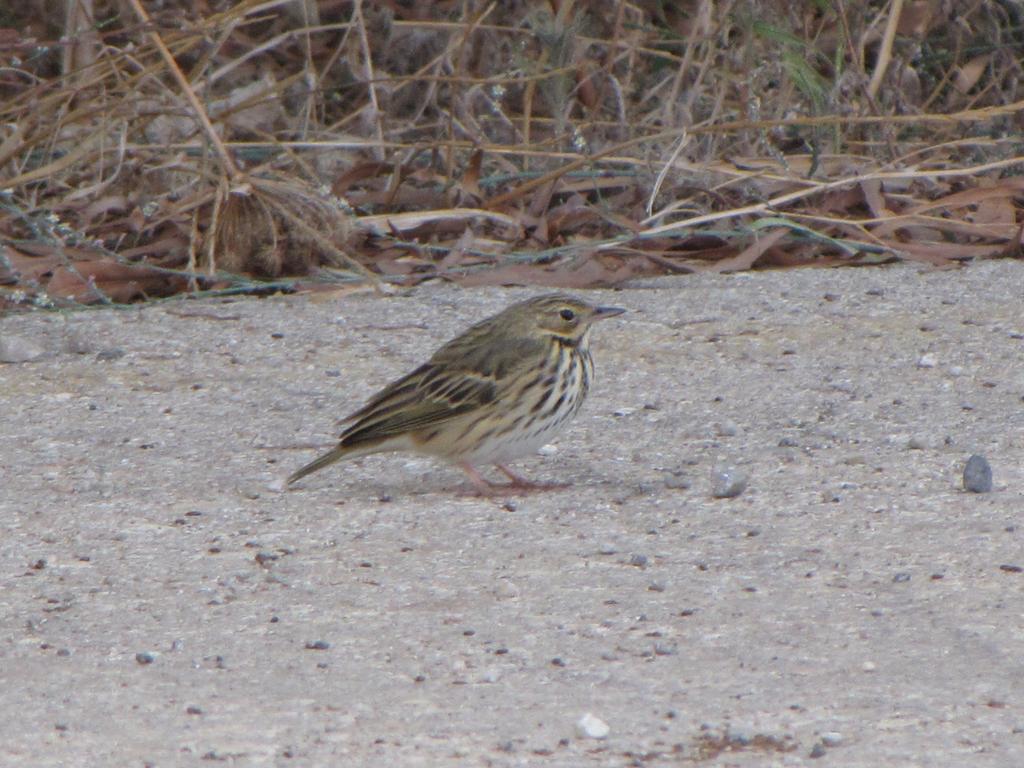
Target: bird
(497, 392)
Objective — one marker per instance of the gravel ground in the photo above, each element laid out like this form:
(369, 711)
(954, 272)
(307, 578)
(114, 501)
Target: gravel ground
(162, 604)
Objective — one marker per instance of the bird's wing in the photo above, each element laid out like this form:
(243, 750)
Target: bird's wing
(428, 396)
(468, 372)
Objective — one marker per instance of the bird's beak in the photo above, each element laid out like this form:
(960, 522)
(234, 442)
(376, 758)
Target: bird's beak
(600, 313)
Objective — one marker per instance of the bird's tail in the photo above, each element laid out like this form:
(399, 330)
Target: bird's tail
(319, 463)
(347, 449)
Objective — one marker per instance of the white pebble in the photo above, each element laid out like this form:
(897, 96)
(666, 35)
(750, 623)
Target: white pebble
(927, 361)
(505, 590)
(869, 666)
(592, 727)
(831, 738)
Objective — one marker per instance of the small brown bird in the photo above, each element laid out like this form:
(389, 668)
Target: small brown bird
(499, 391)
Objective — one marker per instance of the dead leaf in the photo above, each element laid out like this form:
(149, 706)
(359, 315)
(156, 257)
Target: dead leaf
(942, 254)
(915, 18)
(357, 173)
(970, 73)
(996, 210)
(586, 271)
(586, 90)
(88, 282)
(470, 181)
(872, 189)
(746, 258)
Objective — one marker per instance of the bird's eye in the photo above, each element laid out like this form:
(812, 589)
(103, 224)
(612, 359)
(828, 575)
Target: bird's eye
(567, 314)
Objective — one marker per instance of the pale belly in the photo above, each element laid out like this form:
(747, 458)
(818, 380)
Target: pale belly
(497, 446)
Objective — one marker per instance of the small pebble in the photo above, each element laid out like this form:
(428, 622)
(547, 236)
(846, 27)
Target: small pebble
(831, 738)
(740, 735)
(727, 429)
(818, 750)
(265, 558)
(639, 561)
(607, 548)
(145, 657)
(505, 590)
(927, 361)
(869, 666)
(77, 345)
(788, 442)
(676, 480)
(900, 578)
(107, 355)
(317, 645)
(592, 727)
(728, 483)
(977, 475)
(16, 349)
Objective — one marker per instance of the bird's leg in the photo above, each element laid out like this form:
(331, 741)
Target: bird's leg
(483, 486)
(521, 483)
(517, 480)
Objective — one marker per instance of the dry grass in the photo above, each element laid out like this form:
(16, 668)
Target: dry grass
(572, 143)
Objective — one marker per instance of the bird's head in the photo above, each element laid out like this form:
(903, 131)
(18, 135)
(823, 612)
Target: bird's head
(563, 316)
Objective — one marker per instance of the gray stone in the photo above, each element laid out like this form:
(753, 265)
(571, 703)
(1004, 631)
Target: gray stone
(977, 475)
(728, 482)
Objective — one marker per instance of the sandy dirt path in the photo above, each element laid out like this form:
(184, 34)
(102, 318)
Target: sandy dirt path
(161, 604)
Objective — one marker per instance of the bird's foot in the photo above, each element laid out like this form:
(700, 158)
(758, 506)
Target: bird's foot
(519, 485)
